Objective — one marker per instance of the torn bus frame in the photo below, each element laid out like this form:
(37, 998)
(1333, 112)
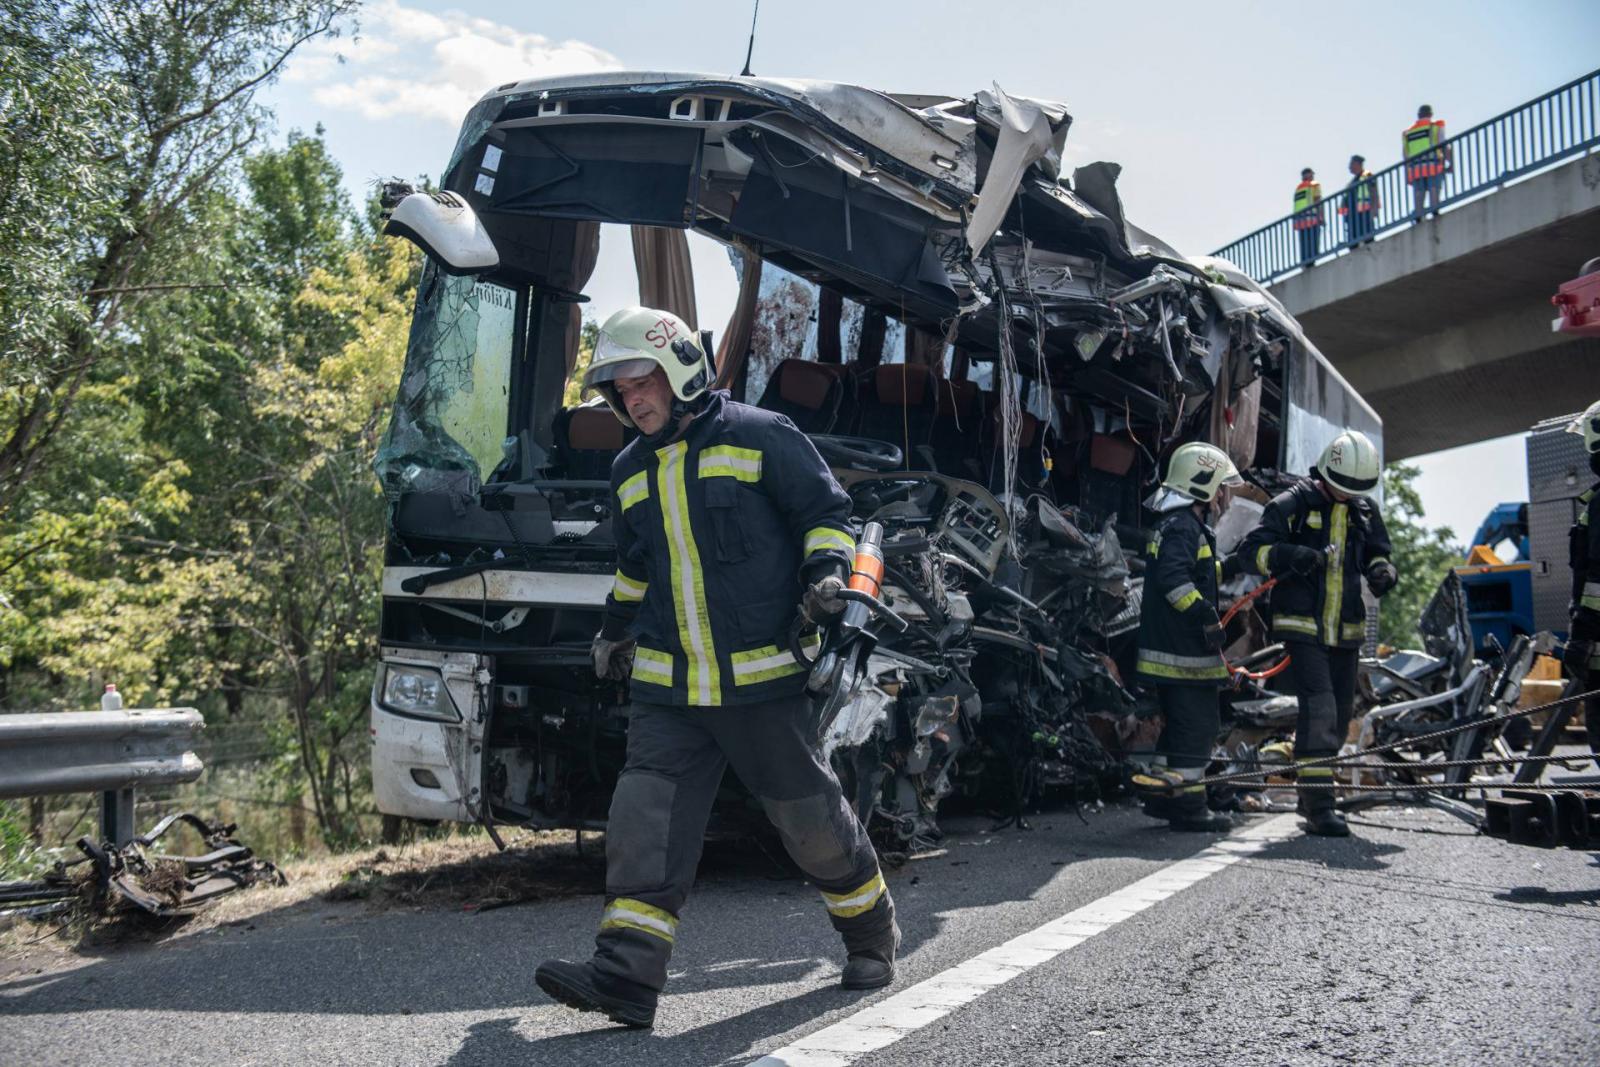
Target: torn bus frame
(949, 217)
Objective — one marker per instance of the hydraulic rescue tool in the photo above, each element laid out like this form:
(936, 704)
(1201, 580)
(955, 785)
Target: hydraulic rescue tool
(848, 640)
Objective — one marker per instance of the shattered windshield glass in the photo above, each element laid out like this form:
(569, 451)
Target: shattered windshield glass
(450, 417)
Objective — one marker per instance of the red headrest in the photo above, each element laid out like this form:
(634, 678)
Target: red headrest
(594, 429)
(902, 383)
(803, 383)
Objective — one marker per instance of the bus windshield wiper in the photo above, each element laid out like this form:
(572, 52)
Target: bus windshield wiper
(419, 583)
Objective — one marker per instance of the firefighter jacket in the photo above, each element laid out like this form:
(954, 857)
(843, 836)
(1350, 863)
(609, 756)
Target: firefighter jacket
(1583, 552)
(713, 532)
(1181, 575)
(1325, 606)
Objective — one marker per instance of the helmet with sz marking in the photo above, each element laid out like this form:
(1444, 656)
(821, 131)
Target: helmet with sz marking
(634, 342)
(1350, 464)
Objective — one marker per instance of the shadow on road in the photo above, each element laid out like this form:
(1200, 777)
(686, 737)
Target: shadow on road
(1538, 894)
(752, 926)
(727, 1039)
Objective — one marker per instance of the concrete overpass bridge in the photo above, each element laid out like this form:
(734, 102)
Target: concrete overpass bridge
(1443, 322)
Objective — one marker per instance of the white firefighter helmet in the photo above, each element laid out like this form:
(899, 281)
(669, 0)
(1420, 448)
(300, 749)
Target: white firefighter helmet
(1588, 424)
(1350, 464)
(635, 341)
(1195, 472)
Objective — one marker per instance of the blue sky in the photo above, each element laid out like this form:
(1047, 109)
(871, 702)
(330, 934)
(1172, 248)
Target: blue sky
(1211, 109)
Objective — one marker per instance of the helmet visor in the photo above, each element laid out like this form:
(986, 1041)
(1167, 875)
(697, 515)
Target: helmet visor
(602, 371)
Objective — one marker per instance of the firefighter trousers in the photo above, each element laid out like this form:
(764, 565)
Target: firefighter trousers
(1325, 683)
(675, 761)
(1193, 720)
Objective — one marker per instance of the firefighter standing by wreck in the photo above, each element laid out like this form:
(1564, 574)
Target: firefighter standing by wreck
(1319, 539)
(1181, 636)
(725, 518)
(1582, 654)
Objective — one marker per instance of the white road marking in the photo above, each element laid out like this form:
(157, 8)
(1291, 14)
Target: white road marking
(928, 1001)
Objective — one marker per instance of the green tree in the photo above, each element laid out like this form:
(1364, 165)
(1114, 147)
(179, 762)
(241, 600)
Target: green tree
(1422, 554)
(120, 119)
(588, 337)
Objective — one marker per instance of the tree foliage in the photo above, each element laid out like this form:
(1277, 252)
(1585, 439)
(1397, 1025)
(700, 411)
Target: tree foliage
(1422, 554)
(201, 334)
(121, 120)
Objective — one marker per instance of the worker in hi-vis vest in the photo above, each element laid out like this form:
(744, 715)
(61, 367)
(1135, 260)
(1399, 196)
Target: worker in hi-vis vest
(1427, 159)
(1308, 215)
(1360, 203)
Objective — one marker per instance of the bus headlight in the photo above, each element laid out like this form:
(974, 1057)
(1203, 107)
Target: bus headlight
(417, 691)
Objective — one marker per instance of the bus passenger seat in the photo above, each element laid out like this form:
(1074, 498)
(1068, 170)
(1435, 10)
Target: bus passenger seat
(808, 393)
(587, 440)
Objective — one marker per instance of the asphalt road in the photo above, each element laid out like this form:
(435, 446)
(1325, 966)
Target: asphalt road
(1413, 942)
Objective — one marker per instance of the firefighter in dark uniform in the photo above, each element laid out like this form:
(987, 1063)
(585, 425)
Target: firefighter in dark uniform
(1181, 636)
(1319, 540)
(1582, 654)
(725, 519)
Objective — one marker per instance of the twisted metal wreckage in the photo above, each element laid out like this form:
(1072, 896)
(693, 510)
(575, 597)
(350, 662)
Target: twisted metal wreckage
(993, 358)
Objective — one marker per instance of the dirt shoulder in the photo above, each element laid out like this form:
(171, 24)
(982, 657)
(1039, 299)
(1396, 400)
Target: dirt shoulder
(457, 872)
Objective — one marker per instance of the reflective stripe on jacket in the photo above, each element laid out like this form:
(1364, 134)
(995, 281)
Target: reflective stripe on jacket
(1307, 195)
(713, 532)
(1325, 607)
(1583, 553)
(1359, 190)
(1421, 140)
(1181, 575)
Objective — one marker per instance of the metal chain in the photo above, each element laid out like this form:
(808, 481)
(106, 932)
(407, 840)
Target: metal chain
(1346, 758)
(1435, 787)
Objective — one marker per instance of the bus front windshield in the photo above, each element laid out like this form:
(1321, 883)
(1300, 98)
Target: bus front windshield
(450, 418)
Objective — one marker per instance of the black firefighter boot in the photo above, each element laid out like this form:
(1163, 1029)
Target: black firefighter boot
(1154, 787)
(872, 966)
(1190, 814)
(1321, 817)
(582, 986)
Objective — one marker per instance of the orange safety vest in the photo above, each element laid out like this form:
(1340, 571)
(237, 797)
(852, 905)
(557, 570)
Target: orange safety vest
(1421, 140)
(1361, 189)
(1307, 195)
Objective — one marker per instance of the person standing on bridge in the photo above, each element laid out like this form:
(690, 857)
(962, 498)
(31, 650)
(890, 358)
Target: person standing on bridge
(1319, 539)
(1181, 636)
(1427, 158)
(1582, 654)
(1360, 204)
(1308, 215)
(725, 517)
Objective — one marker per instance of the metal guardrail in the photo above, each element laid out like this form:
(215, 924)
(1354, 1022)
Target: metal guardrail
(1564, 122)
(108, 752)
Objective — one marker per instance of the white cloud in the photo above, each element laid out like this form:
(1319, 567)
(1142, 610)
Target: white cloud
(414, 64)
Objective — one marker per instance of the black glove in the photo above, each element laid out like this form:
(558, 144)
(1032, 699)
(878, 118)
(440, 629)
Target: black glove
(1232, 567)
(1216, 636)
(1575, 657)
(1382, 576)
(612, 659)
(1301, 559)
(822, 601)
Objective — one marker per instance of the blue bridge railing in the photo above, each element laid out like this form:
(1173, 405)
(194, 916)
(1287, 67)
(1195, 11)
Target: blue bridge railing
(1562, 123)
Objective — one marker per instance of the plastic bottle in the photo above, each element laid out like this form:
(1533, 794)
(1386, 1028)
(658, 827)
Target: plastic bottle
(111, 700)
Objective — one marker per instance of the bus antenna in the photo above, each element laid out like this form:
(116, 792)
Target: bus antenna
(745, 73)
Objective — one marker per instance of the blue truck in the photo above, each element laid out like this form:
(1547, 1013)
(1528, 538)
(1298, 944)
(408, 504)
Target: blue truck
(1516, 575)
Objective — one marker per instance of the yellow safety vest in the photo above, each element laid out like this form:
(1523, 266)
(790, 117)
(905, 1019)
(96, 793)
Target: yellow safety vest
(1421, 139)
(1361, 191)
(1306, 197)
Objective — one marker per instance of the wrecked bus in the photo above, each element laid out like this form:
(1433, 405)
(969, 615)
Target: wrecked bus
(994, 360)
